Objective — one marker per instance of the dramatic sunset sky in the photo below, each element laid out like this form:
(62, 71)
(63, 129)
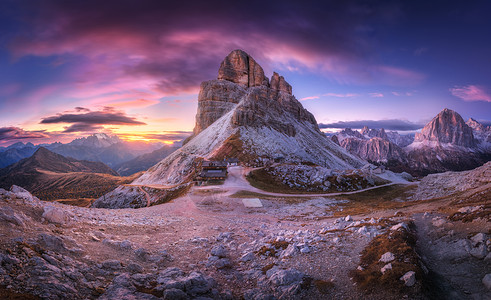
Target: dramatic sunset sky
(133, 68)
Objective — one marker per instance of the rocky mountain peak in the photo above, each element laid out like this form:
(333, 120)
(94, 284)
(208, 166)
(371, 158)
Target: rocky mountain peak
(240, 78)
(370, 133)
(240, 68)
(475, 125)
(447, 127)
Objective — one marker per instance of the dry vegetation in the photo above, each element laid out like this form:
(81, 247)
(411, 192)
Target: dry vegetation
(264, 180)
(402, 244)
(382, 198)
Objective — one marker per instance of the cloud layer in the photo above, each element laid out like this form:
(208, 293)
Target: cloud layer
(394, 124)
(171, 48)
(89, 120)
(471, 93)
(16, 133)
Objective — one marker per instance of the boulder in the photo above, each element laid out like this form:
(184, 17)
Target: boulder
(57, 215)
(487, 281)
(8, 215)
(219, 250)
(386, 268)
(409, 278)
(387, 257)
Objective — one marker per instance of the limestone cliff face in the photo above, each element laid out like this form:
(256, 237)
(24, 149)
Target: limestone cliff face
(374, 133)
(375, 149)
(240, 68)
(447, 127)
(241, 79)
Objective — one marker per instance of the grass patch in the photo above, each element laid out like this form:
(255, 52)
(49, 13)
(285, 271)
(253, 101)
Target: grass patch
(8, 294)
(323, 286)
(378, 199)
(274, 247)
(81, 202)
(267, 267)
(265, 179)
(402, 244)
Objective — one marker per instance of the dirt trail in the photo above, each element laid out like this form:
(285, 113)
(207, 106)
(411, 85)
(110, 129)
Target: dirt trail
(236, 181)
(147, 196)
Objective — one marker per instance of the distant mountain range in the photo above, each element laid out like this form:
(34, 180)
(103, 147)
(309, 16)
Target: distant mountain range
(98, 147)
(52, 176)
(446, 143)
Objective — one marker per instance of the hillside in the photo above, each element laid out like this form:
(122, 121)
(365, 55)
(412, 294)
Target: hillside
(145, 161)
(52, 176)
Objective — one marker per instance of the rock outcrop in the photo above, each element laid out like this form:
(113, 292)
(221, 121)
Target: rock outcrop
(375, 149)
(482, 135)
(370, 133)
(446, 143)
(447, 127)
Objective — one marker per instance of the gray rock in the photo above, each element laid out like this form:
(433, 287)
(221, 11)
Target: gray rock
(409, 278)
(219, 250)
(134, 268)
(387, 257)
(487, 281)
(286, 277)
(57, 215)
(386, 268)
(8, 215)
(52, 242)
(290, 251)
(142, 254)
(479, 251)
(223, 263)
(478, 238)
(112, 265)
(175, 294)
(120, 245)
(122, 288)
(247, 257)
(25, 195)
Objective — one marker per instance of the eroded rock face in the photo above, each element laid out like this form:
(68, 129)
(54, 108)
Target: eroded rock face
(447, 127)
(216, 98)
(374, 133)
(375, 149)
(241, 79)
(240, 68)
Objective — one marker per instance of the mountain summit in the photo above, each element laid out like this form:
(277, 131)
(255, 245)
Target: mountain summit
(447, 127)
(243, 114)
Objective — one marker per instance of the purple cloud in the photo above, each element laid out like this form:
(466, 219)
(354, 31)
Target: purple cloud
(471, 93)
(88, 121)
(172, 48)
(16, 133)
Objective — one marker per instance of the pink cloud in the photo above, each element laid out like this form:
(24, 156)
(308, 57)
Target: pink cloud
(376, 95)
(309, 98)
(348, 95)
(139, 103)
(471, 93)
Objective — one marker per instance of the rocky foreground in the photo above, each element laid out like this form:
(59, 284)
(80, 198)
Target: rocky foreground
(207, 245)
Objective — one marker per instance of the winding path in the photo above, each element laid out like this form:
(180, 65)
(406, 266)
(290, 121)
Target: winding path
(236, 181)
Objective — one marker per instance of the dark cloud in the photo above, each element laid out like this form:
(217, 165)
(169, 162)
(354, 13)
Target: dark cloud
(81, 127)
(108, 116)
(16, 133)
(81, 109)
(181, 45)
(394, 124)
